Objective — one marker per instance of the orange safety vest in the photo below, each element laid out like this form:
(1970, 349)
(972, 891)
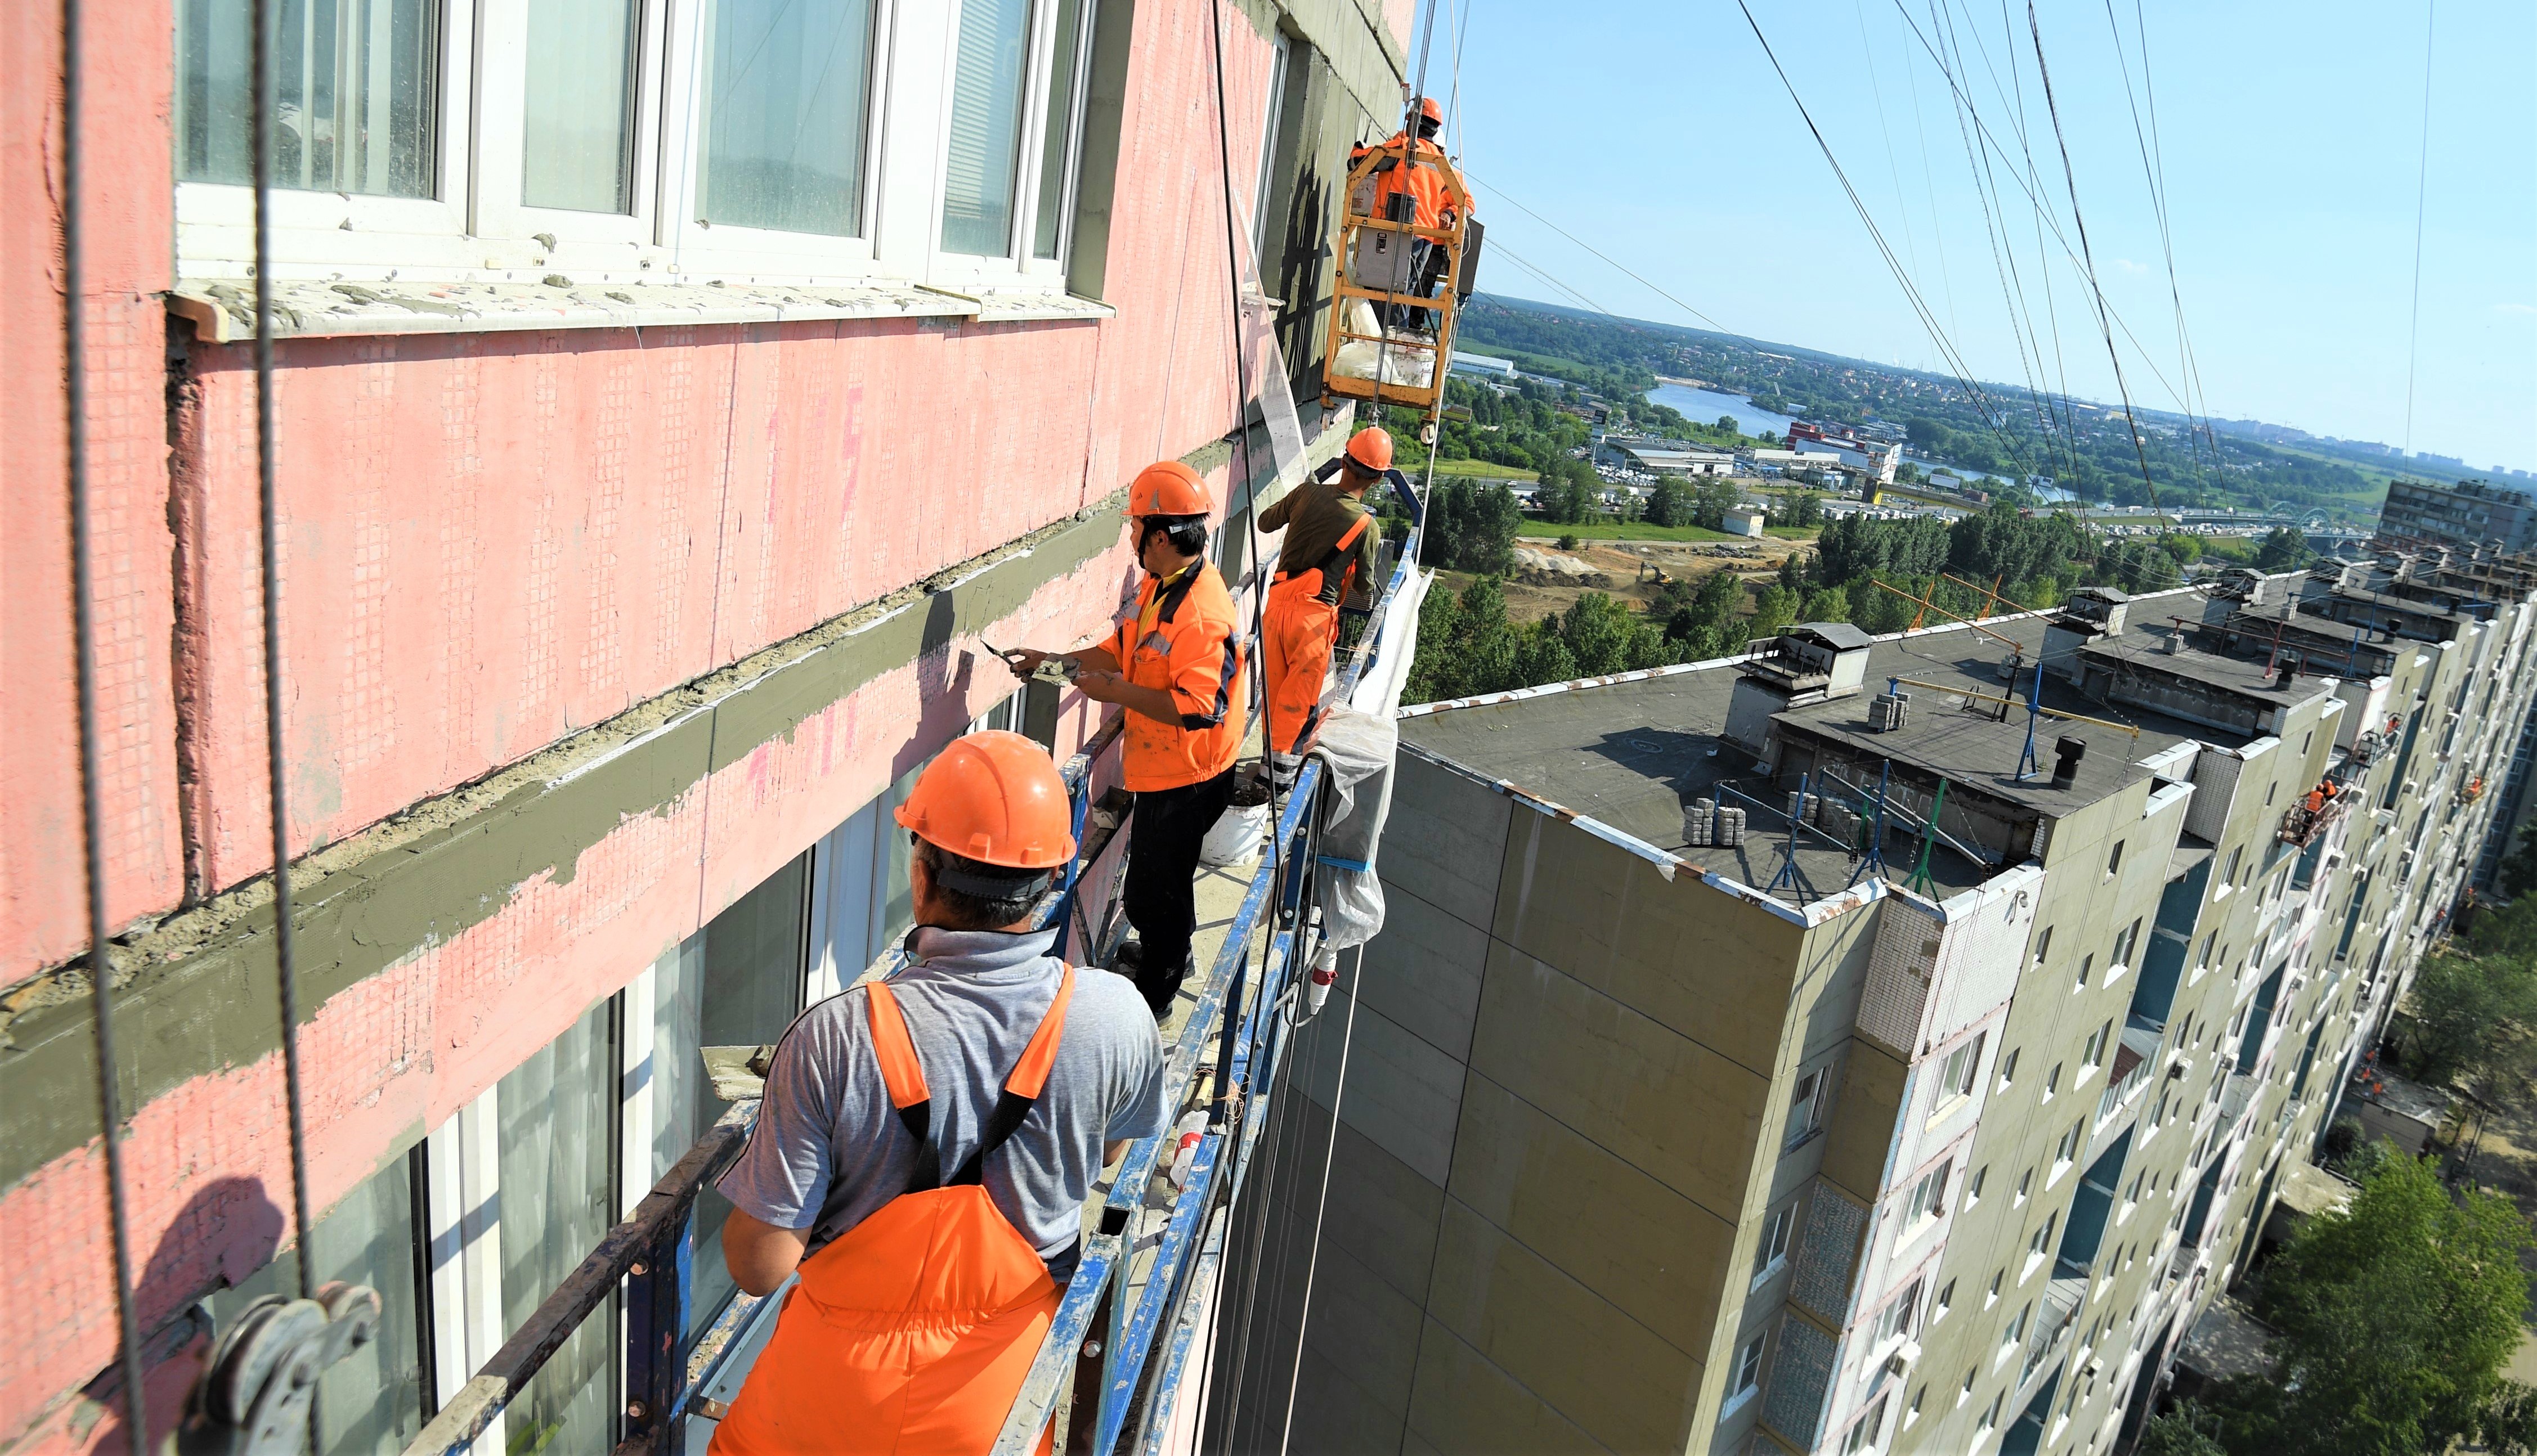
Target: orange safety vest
(1420, 174)
(1184, 640)
(1296, 638)
(911, 1334)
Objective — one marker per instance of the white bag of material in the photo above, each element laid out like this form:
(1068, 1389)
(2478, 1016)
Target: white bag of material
(1236, 836)
(1401, 363)
(1358, 749)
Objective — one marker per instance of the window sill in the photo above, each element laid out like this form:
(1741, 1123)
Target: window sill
(223, 310)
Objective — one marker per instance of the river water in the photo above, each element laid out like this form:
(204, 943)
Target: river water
(1705, 406)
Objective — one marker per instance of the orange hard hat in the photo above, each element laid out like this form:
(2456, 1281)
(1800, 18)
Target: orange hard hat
(1370, 448)
(995, 797)
(1168, 487)
(1428, 109)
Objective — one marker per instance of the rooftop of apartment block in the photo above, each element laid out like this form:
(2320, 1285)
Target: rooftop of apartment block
(1634, 751)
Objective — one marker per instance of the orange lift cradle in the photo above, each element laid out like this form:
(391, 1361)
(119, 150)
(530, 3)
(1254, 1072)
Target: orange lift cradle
(1394, 303)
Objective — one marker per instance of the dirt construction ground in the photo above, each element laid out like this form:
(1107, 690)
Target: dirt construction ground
(1631, 567)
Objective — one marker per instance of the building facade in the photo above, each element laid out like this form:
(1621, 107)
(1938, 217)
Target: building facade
(671, 407)
(2470, 513)
(1674, 1123)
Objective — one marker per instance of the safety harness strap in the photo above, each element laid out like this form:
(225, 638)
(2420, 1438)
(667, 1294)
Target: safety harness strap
(895, 1051)
(904, 1075)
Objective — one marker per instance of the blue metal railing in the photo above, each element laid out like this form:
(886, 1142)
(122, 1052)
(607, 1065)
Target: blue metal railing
(649, 1256)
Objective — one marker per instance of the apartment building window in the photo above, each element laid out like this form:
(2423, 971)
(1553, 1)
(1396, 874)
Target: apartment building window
(1805, 1106)
(2039, 1242)
(1956, 1075)
(1998, 1275)
(2009, 1068)
(1911, 1412)
(1927, 1201)
(2016, 1330)
(2114, 860)
(2025, 1181)
(1990, 1418)
(2067, 1150)
(1748, 1372)
(1974, 1185)
(620, 141)
(1895, 1320)
(2229, 877)
(2092, 1055)
(2087, 968)
(2042, 946)
(1864, 1434)
(2052, 1083)
(2125, 944)
(1945, 1301)
(556, 1116)
(1965, 1392)
(371, 1401)
(1773, 1248)
(355, 96)
(2204, 961)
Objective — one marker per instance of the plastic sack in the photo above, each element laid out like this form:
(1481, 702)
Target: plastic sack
(1400, 362)
(1356, 748)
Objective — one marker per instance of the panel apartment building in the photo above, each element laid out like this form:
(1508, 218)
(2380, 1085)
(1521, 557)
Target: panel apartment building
(671, 399)
(1670, 1127)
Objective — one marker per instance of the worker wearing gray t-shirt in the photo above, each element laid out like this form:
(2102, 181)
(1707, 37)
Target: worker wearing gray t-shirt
(912, 1127)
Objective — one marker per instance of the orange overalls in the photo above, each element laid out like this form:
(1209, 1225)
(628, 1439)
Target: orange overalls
(1296, 635)
(910, 1335)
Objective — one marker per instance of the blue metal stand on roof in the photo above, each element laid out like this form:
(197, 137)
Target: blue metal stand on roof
(2028, 765)
(1873, 861)
(1789, 874)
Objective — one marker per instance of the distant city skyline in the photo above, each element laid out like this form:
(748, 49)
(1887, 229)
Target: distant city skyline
(2290, 146)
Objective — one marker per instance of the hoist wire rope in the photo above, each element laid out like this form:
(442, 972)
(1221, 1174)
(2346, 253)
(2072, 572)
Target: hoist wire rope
(2002, 267)
(2153, 175)
(2096, 291)
(284, 945)
(1243, 1109)
(1911, 291)
(2032, 185)
(101, 966)
(2422, 193)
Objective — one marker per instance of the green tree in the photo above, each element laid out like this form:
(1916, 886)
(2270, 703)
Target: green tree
(1471, 527)
(1726, 425)
(2394, 1316)
(2283, 549)
(2468, 1017)
(1668, 503)
(2187, 1430)
(2516, 874)
(1712, 499)
(1927, 433)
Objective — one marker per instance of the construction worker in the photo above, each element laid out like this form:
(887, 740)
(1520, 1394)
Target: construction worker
(926, 1142)
(1420, 176)
(1175, 663)
(1331, 552)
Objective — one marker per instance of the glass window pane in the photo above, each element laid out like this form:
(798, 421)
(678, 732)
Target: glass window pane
(355, 94)
(736, 984)
(578, 142)
(371, 1401)
(557, 1133)
(986, 127)
(784, 129)
(1057, 136)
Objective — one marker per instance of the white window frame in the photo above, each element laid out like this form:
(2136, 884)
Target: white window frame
(1748, 1372)
(1779, 1229)
(1959, 1073)
(701, 251)
(1805, 1112)
(321, 234)
(495, 209)
(476, 229)
(1015, 267)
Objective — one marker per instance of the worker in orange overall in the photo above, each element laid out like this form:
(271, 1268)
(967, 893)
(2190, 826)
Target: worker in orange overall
(1419, 175)
(927, 1142)
(1331, 552)
(1175, 663)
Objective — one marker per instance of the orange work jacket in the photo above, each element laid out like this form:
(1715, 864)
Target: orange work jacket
(1423, 176)
(1184, 639)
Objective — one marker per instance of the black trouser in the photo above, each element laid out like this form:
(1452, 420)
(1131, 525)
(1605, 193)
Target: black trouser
(1161, 897)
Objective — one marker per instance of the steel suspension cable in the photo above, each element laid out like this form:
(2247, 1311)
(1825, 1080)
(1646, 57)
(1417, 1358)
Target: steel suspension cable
(285, 950)
(101, 968)
(2422, 191)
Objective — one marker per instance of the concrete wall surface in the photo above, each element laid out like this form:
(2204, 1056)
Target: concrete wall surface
(1547, 1144)
(586, 632)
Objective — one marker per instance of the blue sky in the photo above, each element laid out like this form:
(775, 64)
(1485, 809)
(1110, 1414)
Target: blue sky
(2290, 135)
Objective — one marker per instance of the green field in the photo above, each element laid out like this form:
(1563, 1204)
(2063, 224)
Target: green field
(1483, 470)
(1642, 530)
